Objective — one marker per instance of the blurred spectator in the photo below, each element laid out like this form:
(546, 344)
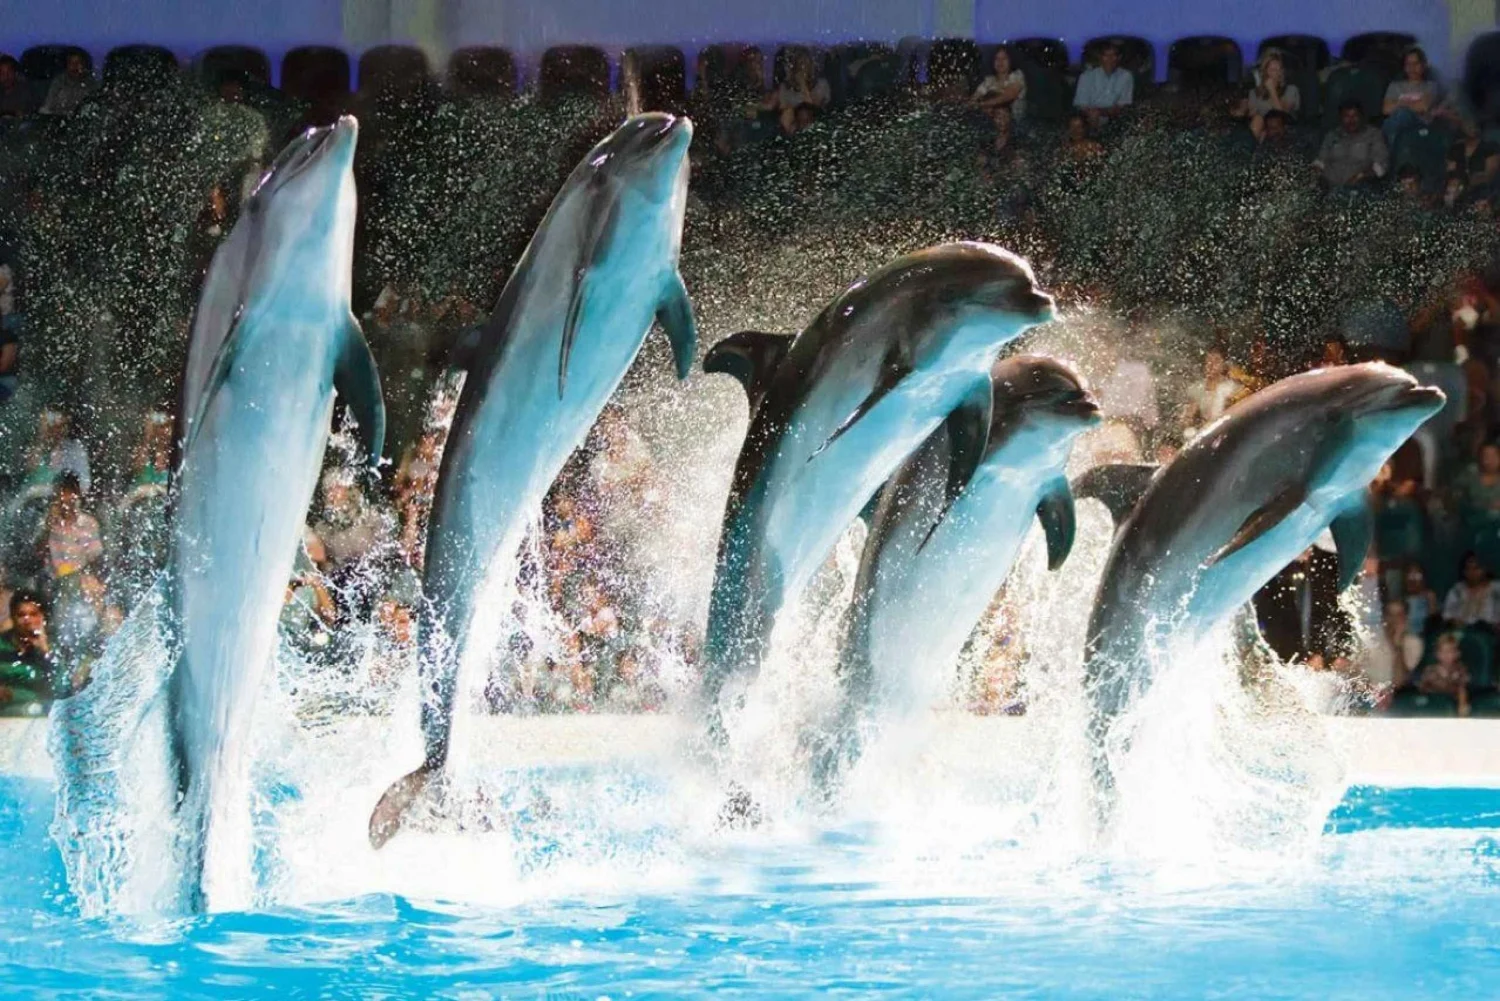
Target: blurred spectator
(15, 95)
(55, 452)
(1399, 525)
(138, 536)
(1209, 398)
(29, 675)
(1474, 600)
(1473, 160)
(1335, 352)
(1081, 147)
(74, 551)
(802, 95)
(1423, 610)
(1128, 393)
(10, 353)
(1410, 101)
(1395, 651)
(70, 88)
(413, 489)
(1001, 154)
(308, 612)
(1447, 674)
(1409, 183)
(1104, 90)
(1354, 153)
(1261, 369)
(1275, 135)
(1270, 93)
(1005, 87)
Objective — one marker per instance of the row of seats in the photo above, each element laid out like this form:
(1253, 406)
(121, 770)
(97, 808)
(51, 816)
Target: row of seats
(320, 73)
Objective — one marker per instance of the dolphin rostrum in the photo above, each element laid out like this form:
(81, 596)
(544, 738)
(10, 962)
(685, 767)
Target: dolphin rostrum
(1240, 502)
(835, 412)
(272, 340)
(925, 578)
(568, 325)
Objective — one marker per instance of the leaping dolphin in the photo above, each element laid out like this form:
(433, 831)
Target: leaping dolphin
(569, 323)
(837, 409)
(1239, 503)
(925, 578)
(272, 339)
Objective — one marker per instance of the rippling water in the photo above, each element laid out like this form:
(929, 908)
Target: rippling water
(1399, 899)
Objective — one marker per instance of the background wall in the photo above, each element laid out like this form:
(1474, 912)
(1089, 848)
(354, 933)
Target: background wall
(527, 26)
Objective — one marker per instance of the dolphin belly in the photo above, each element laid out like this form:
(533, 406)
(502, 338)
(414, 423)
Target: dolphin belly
(247, 482)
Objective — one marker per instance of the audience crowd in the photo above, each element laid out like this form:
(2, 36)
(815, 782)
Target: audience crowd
(78, 550)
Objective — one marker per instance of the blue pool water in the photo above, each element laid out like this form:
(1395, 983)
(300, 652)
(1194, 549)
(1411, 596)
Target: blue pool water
(1399, 899)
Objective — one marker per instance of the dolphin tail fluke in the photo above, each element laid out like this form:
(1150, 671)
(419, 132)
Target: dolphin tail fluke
(358, 383)
(675, 314)
(752, 357)
(394, 808)
(1118, 485)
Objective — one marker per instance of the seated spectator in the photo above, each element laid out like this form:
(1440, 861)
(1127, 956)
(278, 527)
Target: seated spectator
(1473, 160)
(10, 357)
(1409, 183)
(1276, 132)
(1410, 101)
(802, 95)
(1271, 93)
(1423, 610)
(15, 96)
(1081, 147)
(1447, 674)
(29, 675)
(1208, 399)
(1263, 367)
(1352, 154)
(1475, 599)
(413, 489)
(1001, 154)
(1393, 653)
(74, 549)
(1004, 88)
(1104, 90)
(70, 88)
(55, 452)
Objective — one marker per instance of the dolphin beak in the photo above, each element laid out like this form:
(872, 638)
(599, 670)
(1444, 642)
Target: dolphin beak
(1427, 399)
(1036, 305)
(1083, 406)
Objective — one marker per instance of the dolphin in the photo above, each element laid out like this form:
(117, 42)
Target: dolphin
(926, 579)
(569, 323)
(1238, 503)
(835, 412)
(272, 341)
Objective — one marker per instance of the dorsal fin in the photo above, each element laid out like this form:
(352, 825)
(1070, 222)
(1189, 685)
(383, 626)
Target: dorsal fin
(1119, 485)
(752, 357)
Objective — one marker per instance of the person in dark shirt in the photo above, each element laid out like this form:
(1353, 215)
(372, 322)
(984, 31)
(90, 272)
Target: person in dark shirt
(1300, 615)
(29, 676)
(1473, 159)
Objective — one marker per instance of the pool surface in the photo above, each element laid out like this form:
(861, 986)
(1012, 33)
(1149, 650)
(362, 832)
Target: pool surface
(1400, 898)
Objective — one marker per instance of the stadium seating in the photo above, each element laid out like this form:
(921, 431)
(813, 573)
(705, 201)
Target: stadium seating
(573, 70)
(233, 62)
(661, 72)
(139, 68)
(954, 63)
(1205, 61)
(481, 70)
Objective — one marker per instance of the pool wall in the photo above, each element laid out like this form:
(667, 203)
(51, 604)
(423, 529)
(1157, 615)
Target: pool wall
(1389, 752)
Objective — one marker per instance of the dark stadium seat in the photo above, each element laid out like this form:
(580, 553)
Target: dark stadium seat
(1381, 51)
(1309, 51)
(1048, 53)
(573, 70)
(393, 69)
(661, 71)
(234, 62)
(1137, 57)
(728, 64)
(139, 68)
(319, 76)
(858, 70)
(913, 51)
(1205, 61)
(1352, 83)
(482, 70)
(1048, 97)
(1425, 149)
(955, 63)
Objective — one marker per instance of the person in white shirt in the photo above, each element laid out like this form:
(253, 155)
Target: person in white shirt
(1105, 89)
(1474, 599)
(1004, 88)
(1207, 400)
